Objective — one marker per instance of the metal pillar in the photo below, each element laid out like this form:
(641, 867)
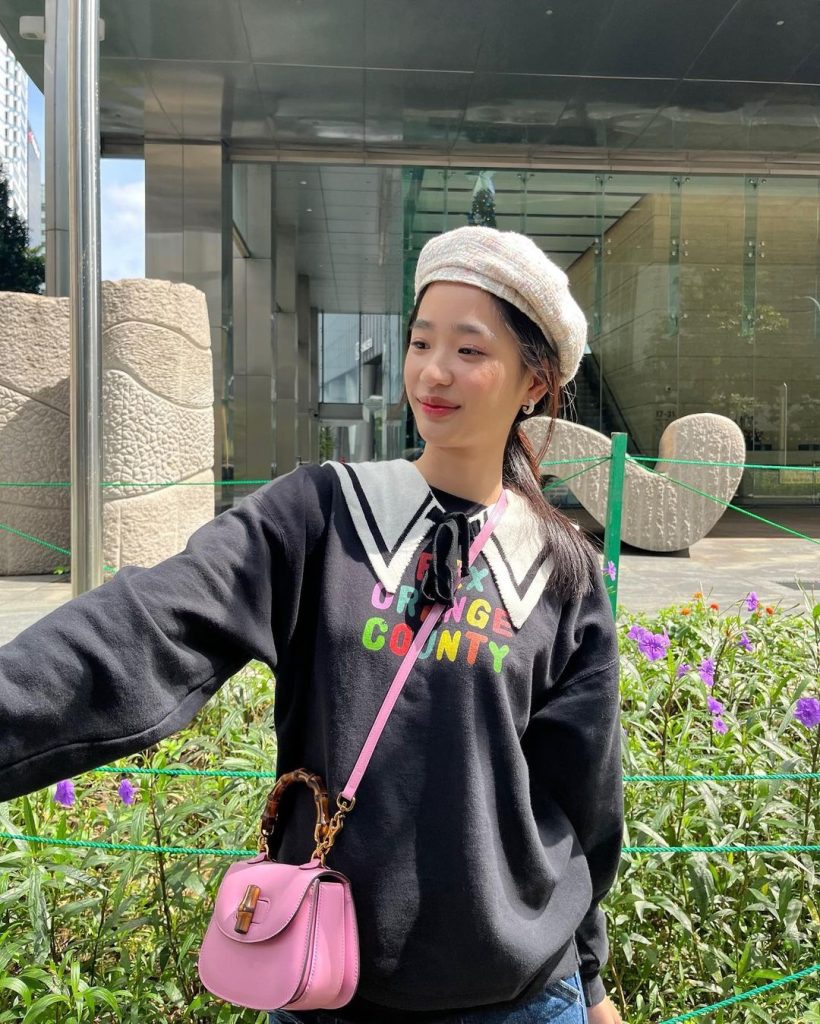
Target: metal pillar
(315, 425)
(86, 348)
(56, 61)
(188, 237)
(614, 512)
(306, 405)
(252, 332)
(286, 350)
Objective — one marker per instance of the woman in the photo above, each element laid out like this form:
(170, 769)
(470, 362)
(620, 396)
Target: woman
(488, 826)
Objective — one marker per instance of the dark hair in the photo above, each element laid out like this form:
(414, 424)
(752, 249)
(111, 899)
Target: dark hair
(572, 555)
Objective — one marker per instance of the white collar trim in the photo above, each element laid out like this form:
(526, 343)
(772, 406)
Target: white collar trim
(390, 505)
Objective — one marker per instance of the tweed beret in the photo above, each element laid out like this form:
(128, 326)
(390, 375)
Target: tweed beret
(512, 267)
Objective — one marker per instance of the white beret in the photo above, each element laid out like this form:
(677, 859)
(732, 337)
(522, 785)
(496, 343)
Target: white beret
(512, 267)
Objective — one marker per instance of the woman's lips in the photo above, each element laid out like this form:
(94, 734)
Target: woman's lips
(437, 411)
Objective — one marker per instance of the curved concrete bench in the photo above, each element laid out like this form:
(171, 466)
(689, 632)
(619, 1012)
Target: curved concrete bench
(658, 515)
(158, 423)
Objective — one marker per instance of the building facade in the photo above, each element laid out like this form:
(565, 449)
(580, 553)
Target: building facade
(14, 128)
(34, 190)
(297, 157)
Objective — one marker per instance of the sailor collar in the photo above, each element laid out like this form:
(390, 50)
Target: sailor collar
(393, 511)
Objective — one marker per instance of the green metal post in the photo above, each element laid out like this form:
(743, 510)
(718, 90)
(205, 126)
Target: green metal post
(614, 510)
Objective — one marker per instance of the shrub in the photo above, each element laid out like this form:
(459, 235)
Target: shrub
(91, 935)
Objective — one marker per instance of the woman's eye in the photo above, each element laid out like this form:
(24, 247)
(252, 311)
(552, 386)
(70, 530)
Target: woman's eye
(417, 343)
(471, 351)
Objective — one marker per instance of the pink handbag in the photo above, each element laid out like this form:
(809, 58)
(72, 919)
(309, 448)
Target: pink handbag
(284, 936)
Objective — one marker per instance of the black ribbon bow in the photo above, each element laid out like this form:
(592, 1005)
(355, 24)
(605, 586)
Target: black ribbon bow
(451, 543)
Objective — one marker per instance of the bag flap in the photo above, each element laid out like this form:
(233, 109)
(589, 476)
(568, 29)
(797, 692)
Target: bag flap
(282, 887)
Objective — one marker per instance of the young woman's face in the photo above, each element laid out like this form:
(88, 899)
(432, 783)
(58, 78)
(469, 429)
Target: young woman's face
(463, 373)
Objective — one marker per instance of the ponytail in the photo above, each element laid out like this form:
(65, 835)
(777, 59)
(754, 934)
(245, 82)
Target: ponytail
(572, 555)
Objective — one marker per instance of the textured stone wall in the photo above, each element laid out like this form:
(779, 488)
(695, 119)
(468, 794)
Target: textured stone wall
(658, 514)
(157, 423)
(33, 430)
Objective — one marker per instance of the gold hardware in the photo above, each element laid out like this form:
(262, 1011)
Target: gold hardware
(325, 836)
(244, 912)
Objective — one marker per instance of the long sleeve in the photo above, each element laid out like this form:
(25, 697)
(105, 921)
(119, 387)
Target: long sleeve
(573, 748)
(131, 662)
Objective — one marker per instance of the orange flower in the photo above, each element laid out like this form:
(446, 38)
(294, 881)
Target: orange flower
(769, 610)
(715, 606)
(697, 596)
(686, 611)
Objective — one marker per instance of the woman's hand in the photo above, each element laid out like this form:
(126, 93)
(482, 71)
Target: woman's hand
(603, 1013)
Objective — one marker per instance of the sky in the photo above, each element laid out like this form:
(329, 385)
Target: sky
(122, 204)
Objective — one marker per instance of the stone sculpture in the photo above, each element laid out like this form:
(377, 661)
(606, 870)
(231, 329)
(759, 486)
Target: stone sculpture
(158, 423)
(658, 514)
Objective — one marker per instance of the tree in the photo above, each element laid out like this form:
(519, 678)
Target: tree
(21, 269)
(482, 212)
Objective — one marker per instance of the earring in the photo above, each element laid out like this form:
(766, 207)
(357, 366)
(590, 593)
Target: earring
(529, 408)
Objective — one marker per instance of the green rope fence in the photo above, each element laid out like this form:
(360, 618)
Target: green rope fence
(589, 463)
(232, 483)
(729, 465)
(111, 569)
(134, 483)
(228, 774)
(736, 508)
(211, 852)
(742, 996)
(208, 851)
(729, 777)
(566, 479)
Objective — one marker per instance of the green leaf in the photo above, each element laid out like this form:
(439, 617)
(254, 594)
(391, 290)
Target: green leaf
(28, 816)
(44, 1003)
(745, 956)
(17, 985)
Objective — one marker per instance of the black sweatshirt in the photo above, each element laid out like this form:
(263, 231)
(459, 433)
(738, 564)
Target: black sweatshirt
(489, 823)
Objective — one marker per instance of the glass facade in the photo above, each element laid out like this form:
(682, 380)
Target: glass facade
(701, 294)
(360, 364)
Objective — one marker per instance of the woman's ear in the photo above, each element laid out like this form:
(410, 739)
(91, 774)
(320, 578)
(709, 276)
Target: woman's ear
(536, 391)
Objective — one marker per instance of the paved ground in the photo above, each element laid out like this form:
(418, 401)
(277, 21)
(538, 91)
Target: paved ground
(738, 556)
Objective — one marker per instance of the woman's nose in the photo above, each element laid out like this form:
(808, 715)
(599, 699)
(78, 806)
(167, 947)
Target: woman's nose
(436, 371)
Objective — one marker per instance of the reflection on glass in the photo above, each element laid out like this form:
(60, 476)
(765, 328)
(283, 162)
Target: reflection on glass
(702, 294)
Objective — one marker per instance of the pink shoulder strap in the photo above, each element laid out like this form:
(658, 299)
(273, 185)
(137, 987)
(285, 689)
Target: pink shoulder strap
(409, 660)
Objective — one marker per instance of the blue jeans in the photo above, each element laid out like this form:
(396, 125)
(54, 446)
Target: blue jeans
(561, 1002)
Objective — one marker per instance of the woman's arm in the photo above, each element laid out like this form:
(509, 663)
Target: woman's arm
(131, 662)
(573, 748)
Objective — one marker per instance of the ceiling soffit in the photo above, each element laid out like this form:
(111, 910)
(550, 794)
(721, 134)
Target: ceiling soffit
(369, 77)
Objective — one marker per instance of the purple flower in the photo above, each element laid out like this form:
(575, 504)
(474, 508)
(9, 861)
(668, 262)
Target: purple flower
(745, 643)
(653, 645)
(126, 792)
(64, 794)
(751, 601)
(706, 671)
(636, 632)
(719, 725)
(683, 668)
(715, 706)
(611, 571)
(807, 712)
